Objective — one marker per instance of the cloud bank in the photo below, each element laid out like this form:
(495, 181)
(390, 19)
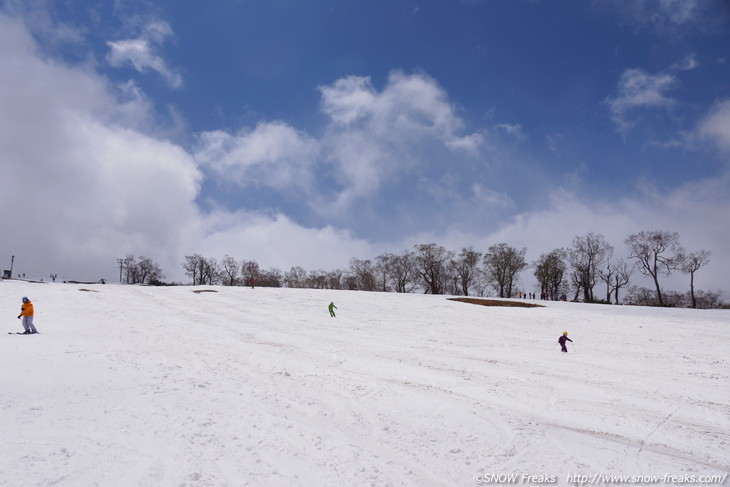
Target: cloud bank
(84, 183)
(91, 180)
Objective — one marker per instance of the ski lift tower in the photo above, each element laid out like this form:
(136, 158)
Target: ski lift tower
(8, 274)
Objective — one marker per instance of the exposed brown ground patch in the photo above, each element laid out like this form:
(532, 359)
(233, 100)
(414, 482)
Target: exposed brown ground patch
(496, 302)
(198, 291)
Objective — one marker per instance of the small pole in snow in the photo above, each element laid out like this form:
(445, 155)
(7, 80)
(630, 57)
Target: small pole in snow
(121, 266)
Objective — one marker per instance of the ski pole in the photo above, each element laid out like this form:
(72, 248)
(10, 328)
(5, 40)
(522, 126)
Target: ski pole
(554, 347)
(574, 350)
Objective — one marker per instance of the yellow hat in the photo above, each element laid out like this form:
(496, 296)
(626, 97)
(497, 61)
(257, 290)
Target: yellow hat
(565, 333)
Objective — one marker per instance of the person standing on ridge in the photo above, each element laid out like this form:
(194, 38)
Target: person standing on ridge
(562, 340)
(26, 312)
(332, 309)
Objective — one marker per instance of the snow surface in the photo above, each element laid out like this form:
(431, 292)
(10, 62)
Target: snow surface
(142, 386)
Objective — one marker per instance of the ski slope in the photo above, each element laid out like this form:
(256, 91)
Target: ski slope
(143, 386)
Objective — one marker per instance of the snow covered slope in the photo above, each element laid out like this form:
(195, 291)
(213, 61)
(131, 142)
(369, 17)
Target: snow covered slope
(141, 386)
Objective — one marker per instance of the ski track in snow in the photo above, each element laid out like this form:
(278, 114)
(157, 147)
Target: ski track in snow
(141, 386)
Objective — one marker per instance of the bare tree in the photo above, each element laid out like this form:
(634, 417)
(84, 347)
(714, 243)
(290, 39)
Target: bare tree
(657, 253)
(480, 284)
(621, 277)
(229, 271)
(191, 267)
(502, 264)
(401, 271)
(550, 272)
(465, 267)
(296, 277)
(271, 278)
(430, 263)
(249, 270)
(640, 296)
(209, 271)
(692, 263)
(589, 253)
(129, 264)
(606, 274)
(334, 279)
(198, 268)
(364, 273)
(709, 300)
(381, 272)
(317, 279)
(349, 282)
(148, 270)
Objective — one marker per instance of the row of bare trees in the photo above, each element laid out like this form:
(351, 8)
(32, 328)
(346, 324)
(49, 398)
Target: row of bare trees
(590, 261)
(229, 272)
(580, 268)
(431, 268)
(643, 296)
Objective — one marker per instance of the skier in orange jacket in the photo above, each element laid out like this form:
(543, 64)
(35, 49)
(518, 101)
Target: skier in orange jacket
(26, 312)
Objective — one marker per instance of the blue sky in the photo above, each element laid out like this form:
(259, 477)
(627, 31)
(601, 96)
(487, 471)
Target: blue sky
(309, 132)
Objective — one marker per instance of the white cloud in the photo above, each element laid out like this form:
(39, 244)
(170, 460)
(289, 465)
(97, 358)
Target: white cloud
(140, 52)
(372, 139)
(274, 240)
(636, 90)
(552, 141)
(716, 126)
(272, 155)
(687, 64)
(512, 129)
(348, 99)
(411, 106)
(679, 11)
(486, 197)
(377, 136)
(665, 16)
(36, 14)
(157, 31)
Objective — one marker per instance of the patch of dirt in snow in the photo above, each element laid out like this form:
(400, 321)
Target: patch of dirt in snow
(496, 302)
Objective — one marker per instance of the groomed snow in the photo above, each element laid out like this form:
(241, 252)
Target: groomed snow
(143, 386)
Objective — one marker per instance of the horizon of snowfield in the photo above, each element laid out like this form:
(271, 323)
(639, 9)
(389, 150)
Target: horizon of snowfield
(231, 386)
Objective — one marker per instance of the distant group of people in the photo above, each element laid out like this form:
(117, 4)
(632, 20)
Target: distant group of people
(546, 297)
(543, 296)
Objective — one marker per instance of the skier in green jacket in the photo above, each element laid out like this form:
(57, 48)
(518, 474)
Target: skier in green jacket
(332, 309)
